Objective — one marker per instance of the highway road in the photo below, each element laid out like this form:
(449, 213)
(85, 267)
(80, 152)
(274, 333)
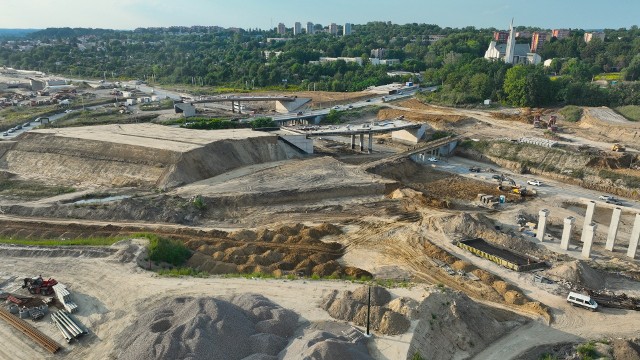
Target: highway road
(549, 187)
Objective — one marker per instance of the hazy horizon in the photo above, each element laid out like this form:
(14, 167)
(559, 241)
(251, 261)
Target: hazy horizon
(131, 14)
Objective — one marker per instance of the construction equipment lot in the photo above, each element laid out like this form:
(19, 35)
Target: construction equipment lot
(308, 222)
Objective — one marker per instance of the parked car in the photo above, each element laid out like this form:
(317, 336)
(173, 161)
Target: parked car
(26, 125)
(432, 159)
(496, 177)
(5, 134)
(474, 169)
(350, 106)
(299, 113)
(68, 111)
(614, 202)
(336, 107)
(534, 182)
(606, 197)
(368, 100)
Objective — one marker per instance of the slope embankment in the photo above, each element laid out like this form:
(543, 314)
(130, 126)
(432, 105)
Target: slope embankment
(142, 155)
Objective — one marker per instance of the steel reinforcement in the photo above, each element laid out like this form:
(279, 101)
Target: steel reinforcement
(35, 334)
(500, 256)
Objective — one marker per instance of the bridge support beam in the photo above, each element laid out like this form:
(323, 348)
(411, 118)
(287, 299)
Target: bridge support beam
(353, 142)
(370, 143)
(233, 106)
(361, 142)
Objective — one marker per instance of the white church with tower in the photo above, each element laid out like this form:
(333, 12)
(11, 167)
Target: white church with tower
(512, 53)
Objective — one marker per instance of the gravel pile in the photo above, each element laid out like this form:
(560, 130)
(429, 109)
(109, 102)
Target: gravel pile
(241, 327)
(320, 345)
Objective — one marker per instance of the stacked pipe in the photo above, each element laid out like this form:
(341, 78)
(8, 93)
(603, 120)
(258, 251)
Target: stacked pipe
(69, 329)
(64, 297)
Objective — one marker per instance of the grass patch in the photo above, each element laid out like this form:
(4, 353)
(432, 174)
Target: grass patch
(587, 351)
(177, 272)
(31, 189)
(166, 250)
(630, 112)
(629, 180)
(98, 241)
(99, 117)
(615, 76)
(18, 115)
(571, 113)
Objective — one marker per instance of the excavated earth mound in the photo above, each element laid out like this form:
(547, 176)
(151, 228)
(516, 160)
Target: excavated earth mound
(208, 328)
(452, 326)
(578, 273)
(137, 154)
(352, 306)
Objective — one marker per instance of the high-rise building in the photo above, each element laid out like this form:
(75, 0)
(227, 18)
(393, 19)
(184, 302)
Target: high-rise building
(333, 29)
(310, 28)
(282, 29)
(560, 33)
(297, 28)
(500, 36)
(537, 40)
(593, 35)
(347, 29)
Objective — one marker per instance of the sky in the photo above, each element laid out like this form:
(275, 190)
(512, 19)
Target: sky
(266, 14)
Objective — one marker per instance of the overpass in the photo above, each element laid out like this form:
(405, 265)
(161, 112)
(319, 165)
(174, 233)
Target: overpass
(419, 154)
(235, 100)
(358, 130)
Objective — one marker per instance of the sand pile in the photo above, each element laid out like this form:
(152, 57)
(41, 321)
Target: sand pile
(208, 328)
(578, 273)
(320, 345)
(479, 226)
(352, 306)
(452, 326)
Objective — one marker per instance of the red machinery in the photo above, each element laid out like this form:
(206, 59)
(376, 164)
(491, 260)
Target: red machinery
(39, 285)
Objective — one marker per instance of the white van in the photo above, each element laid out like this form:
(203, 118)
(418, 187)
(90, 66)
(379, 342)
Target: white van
(582, 300)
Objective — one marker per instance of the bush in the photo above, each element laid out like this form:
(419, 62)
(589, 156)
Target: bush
(166, 250)
(587, 351)
(571, 113)
(263, 122)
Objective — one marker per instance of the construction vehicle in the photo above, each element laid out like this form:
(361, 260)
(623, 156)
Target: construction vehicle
(618, 148)
(551, 125)
(39, 285)
(536, 122)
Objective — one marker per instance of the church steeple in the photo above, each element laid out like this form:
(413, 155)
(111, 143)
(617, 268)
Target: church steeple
(511, 45)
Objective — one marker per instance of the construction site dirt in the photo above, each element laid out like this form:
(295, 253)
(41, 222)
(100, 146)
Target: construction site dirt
(286, 245)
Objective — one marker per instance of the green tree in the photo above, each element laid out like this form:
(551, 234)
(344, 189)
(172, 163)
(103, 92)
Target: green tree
(632, 72)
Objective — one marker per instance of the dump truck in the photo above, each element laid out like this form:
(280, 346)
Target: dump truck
(618, 147)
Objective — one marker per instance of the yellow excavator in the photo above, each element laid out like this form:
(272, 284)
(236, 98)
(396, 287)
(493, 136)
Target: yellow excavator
(618, 147)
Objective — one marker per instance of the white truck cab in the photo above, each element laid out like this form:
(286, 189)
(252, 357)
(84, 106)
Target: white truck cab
(582, 300)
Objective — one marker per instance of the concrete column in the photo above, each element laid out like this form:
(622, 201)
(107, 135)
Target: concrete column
(361, 142)
(233, 106)
(613, 229)
(542, 223)
(588, 217)
(569, 224)
(588, 234)
(635, 235)
(239, 108)
(370, 143)
(353, 142)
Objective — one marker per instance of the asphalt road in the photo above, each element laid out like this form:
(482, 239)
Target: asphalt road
(549, 187)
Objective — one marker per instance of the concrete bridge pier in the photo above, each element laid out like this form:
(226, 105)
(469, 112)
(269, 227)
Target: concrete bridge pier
(361, 142)
(353, 142)
(542, 223)
(569, 224)
(613, 229)
(635, 237)
(591, 207)
(588, 235)
(370, 143)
